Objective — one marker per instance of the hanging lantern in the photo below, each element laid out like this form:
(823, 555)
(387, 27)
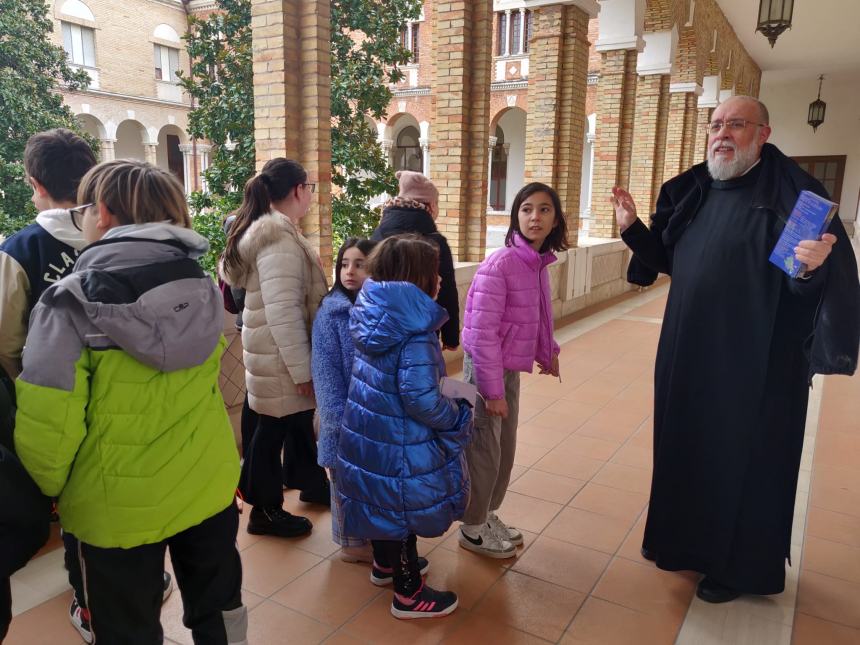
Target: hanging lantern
(817, 109)
(774, 17)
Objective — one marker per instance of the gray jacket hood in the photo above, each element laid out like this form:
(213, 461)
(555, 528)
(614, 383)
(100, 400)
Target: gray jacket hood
(140, 289)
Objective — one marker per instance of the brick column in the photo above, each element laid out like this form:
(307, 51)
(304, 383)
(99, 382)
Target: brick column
(292, 97)
(649, 141)
(680, 135)
(615, 104)
(555, 127)
(704, 118)
(461, 86)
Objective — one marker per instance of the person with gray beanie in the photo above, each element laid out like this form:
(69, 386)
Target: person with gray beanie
(415, 210)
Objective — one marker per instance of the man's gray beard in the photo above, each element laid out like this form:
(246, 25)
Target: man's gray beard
(722, 170)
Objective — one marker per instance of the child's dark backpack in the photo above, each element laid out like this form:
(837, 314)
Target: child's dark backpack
(24, 515)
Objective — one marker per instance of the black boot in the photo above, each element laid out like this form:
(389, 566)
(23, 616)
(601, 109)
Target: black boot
(320, 495)
(276, 521)
(712, 591)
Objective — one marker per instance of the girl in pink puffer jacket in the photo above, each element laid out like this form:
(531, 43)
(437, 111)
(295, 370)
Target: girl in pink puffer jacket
(507, 329)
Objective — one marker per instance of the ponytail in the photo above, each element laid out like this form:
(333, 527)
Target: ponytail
(278, 177)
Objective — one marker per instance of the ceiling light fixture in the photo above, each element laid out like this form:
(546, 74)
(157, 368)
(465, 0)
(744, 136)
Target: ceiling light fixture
(817, 108)
(774, 17)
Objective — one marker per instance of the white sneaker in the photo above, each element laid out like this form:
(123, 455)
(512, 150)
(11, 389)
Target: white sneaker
(81, 620)
(509, 533)
(487, 543)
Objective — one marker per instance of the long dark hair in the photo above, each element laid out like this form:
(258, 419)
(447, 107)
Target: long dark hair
(557, 239)
(274, 182)
(365, 246)
(406, 258)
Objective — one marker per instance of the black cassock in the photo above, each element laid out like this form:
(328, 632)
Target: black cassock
(731, 387)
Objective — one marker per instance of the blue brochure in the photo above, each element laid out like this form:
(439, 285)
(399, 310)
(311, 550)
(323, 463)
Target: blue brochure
(808, 221)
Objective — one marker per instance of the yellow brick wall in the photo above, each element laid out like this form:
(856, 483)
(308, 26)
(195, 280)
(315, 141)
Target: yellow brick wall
(461, 87)
(124, 41)
(292, 95)
(646, 174)
(557, 92)
(616, 97)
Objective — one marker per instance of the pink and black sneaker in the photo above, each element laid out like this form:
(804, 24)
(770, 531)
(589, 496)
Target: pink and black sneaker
(424, 603)
(382, 576)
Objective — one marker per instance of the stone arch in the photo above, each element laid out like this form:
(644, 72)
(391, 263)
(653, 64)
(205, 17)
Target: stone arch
(509, 156)
(92, 125)
(405, 136)
(131, 137)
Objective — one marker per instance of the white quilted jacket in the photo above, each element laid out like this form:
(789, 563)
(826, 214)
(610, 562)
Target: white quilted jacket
(284, 283)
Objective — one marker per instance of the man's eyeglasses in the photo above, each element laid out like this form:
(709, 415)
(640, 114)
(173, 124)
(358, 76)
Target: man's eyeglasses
(733, 125)
(77, 214)
(311, 187)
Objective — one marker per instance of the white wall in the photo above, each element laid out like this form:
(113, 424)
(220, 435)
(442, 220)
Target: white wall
(513, 124)
(788, 99)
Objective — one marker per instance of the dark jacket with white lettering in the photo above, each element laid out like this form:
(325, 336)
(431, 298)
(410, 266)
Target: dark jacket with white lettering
(32, 260)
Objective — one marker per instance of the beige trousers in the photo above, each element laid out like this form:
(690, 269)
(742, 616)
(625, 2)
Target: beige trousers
(491, 453)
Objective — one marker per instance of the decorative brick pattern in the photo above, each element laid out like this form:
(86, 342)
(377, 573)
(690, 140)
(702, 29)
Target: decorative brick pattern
(646, 174)
(292, 98)
(616, 97)
(557, 89)
(461, 87)
(704, 118)
(680, 135)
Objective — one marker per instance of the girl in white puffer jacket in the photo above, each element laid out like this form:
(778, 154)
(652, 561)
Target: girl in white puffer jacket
(267, 255)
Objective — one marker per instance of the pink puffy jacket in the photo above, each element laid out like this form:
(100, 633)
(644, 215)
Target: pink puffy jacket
(508, 322)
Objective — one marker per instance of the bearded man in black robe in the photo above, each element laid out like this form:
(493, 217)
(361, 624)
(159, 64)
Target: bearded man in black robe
(739, 344)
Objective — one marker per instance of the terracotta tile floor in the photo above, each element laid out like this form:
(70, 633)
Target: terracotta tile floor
(579, 492)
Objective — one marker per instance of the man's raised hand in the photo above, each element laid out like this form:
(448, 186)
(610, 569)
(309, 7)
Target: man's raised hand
(625, 208)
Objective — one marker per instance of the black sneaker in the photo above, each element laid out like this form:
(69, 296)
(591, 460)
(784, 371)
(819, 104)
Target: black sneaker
(276, 521)
(168, 587)
(424, 603)
(80, 618)
(381, 576)
(320, 495)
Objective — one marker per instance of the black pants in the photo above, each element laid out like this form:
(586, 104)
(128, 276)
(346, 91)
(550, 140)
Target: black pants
(402, 557)
(73, 566)
(263, 473)
(124, 586)
(5, 606)
(249, 422)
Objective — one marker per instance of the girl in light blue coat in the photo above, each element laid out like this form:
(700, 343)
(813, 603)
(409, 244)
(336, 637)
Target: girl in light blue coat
(331, 366)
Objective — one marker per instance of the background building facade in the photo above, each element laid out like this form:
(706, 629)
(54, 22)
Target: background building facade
(133, 105)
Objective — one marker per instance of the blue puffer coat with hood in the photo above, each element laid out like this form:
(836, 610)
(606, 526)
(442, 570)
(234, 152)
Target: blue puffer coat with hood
(401, 463)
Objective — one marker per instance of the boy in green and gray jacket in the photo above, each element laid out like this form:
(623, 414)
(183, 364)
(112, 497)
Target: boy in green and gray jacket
(121, 416)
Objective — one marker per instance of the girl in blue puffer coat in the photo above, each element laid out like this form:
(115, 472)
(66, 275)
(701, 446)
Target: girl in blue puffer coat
(401, 467)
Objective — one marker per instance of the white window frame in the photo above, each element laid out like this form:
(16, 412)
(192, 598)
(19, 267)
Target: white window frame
(79, 43)
(163, 71)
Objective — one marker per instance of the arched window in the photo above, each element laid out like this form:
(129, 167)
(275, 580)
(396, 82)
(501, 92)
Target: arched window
(499, 178)
(78, 39)
(166, 58)
(407, 152)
